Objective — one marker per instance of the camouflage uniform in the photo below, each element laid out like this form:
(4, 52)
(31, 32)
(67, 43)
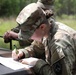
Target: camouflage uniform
(36, 49)
(22, 43)
(49, 4)
(60, 46)
(35, 46)
(59, 51)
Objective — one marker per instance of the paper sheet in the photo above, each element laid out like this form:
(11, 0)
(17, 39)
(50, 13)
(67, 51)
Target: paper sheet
(15, 65)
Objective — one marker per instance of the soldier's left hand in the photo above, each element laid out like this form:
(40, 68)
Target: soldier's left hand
(29, 61)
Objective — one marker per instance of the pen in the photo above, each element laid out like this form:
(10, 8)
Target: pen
(16, 49)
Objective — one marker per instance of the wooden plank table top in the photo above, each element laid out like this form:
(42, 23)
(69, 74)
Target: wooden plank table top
(7, 53)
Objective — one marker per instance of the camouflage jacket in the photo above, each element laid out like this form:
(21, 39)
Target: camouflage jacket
(59, 47)
(36, 49)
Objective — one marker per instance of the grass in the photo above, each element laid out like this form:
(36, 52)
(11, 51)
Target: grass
(69, 22)
(8, 24)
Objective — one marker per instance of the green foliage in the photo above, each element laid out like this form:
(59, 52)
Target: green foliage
(9, 7)
(12, 7)
(6, 25)
(67, 7)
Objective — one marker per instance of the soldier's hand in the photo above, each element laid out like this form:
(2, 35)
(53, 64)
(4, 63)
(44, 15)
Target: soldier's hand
(29, 61)
(9, 35)
(17, 55)
(6, 37)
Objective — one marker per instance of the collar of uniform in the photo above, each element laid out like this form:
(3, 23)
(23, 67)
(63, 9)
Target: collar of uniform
(44, 41)
(53, 30)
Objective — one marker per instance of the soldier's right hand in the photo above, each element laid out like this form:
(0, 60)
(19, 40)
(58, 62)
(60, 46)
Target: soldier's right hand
(17, 56)
(9, 35)
(6, 37)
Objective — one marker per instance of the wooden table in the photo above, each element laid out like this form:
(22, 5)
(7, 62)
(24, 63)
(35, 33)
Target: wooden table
(5, 53)
(7, 71)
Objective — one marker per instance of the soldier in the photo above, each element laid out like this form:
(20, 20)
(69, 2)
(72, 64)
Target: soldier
(58, 40)
(12, 35)
(35, 47)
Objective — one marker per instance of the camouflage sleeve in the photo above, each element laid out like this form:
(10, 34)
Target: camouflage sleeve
(36, 49)
(63, 51)
(22, 43)
(42, 68)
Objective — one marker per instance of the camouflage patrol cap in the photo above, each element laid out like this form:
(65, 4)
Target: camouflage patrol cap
(29, 19)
